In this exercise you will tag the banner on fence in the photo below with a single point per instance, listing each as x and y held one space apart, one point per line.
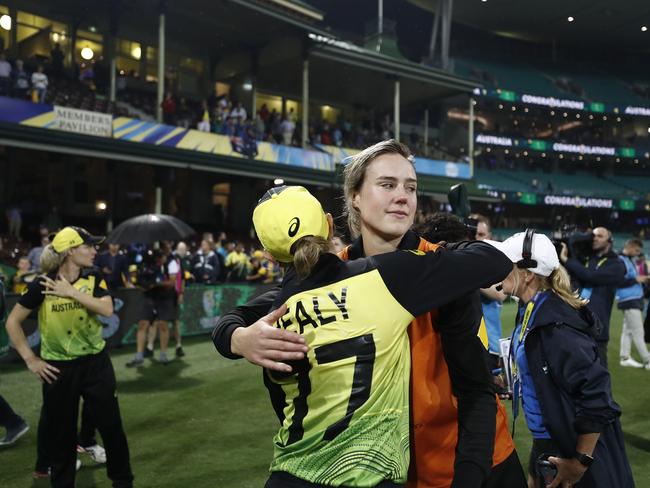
202 306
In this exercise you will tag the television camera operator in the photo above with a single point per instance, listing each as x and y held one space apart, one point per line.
597 274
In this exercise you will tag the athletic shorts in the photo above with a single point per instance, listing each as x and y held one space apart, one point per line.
159 309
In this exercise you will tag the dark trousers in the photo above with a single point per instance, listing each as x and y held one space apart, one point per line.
86 436
8 418
602 351
508 473
93 378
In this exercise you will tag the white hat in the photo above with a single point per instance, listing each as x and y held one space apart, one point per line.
543 251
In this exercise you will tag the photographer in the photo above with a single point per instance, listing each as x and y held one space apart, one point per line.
598 277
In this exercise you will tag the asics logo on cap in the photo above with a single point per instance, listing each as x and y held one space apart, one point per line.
294 226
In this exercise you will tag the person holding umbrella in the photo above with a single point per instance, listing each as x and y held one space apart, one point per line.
161 283
73 361
160 305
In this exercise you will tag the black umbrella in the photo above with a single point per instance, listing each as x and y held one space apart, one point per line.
150 228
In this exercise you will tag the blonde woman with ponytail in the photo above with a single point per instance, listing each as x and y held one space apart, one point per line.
565 390
73 362
344 408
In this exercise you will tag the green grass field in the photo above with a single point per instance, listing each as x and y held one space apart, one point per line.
205 421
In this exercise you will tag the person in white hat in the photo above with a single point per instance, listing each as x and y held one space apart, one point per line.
565 390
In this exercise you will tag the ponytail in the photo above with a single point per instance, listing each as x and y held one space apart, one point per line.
307 251
50 259
560 283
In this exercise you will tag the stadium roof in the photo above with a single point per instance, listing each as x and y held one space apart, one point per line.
615 23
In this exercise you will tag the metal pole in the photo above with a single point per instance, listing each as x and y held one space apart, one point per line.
161 65
426 131
305 103
446 31
470 142
113 68
380 17
13 33
396 110
434 32
158 202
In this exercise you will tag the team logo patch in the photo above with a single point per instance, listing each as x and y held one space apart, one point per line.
294 225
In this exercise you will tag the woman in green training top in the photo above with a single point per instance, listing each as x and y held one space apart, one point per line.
73 361
344 409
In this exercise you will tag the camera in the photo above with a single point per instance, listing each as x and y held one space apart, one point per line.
579 243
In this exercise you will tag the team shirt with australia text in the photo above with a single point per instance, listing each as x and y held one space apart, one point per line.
68 330
345 411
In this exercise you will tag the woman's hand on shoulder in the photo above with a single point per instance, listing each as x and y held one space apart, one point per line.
59 287
266 345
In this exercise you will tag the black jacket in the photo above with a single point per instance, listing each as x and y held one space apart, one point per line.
604 279
574 390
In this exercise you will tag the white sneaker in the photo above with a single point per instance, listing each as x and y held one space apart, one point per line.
97 453
631 363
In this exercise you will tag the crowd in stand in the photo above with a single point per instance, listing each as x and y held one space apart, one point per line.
208 262
17 82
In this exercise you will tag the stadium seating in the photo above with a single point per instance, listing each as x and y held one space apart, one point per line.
580 183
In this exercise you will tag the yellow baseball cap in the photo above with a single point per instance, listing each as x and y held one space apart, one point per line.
285 214
70 237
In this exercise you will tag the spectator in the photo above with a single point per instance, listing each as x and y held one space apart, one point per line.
39 83
57 57
87 76
204 117
20 80
218 119
158 278
114 267
260 127
5 75
34 254
185 115
630 301
228 128
22 277
14 220
53 219
286 128
326 135
205 265
239 112
169 109
257 272
337 136
237 264
274 126
179 256
264 113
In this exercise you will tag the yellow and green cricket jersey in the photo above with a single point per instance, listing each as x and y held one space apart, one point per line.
68 330
345 409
